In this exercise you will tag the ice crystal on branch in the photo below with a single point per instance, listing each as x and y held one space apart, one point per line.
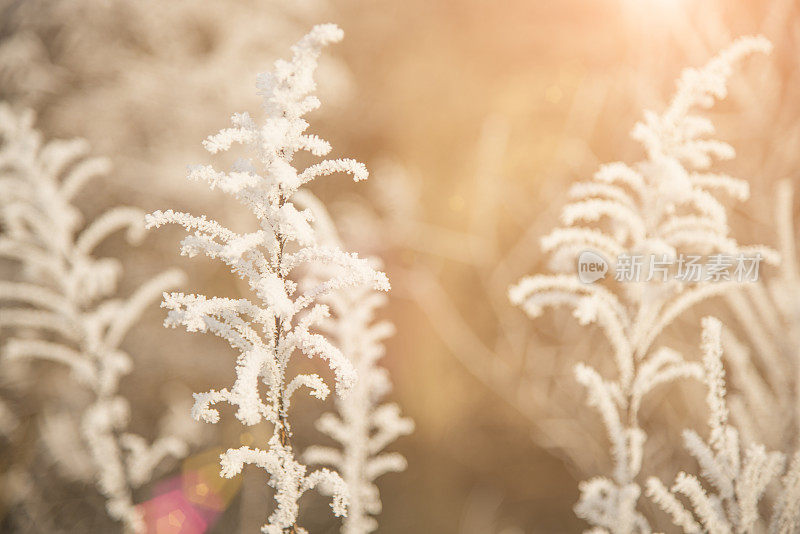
665 205
68 300
282 319
362 425
762 365
739 473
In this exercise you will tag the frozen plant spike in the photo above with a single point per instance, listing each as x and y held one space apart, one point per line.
764 405
739 475
665 205
362 426
283 315
68 300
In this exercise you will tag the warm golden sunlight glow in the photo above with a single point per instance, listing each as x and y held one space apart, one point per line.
320 266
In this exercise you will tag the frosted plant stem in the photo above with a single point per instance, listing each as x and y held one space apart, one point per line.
665 206
284 310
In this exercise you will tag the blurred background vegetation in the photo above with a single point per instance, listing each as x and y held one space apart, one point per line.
474 117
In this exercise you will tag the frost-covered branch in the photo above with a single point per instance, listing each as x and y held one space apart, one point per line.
738 473
763 361
286 312
362 426
664 206
67 301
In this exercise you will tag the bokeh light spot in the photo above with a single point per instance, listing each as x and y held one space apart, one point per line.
553 94
202 484
456 203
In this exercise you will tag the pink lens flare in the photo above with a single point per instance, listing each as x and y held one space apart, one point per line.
171 513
